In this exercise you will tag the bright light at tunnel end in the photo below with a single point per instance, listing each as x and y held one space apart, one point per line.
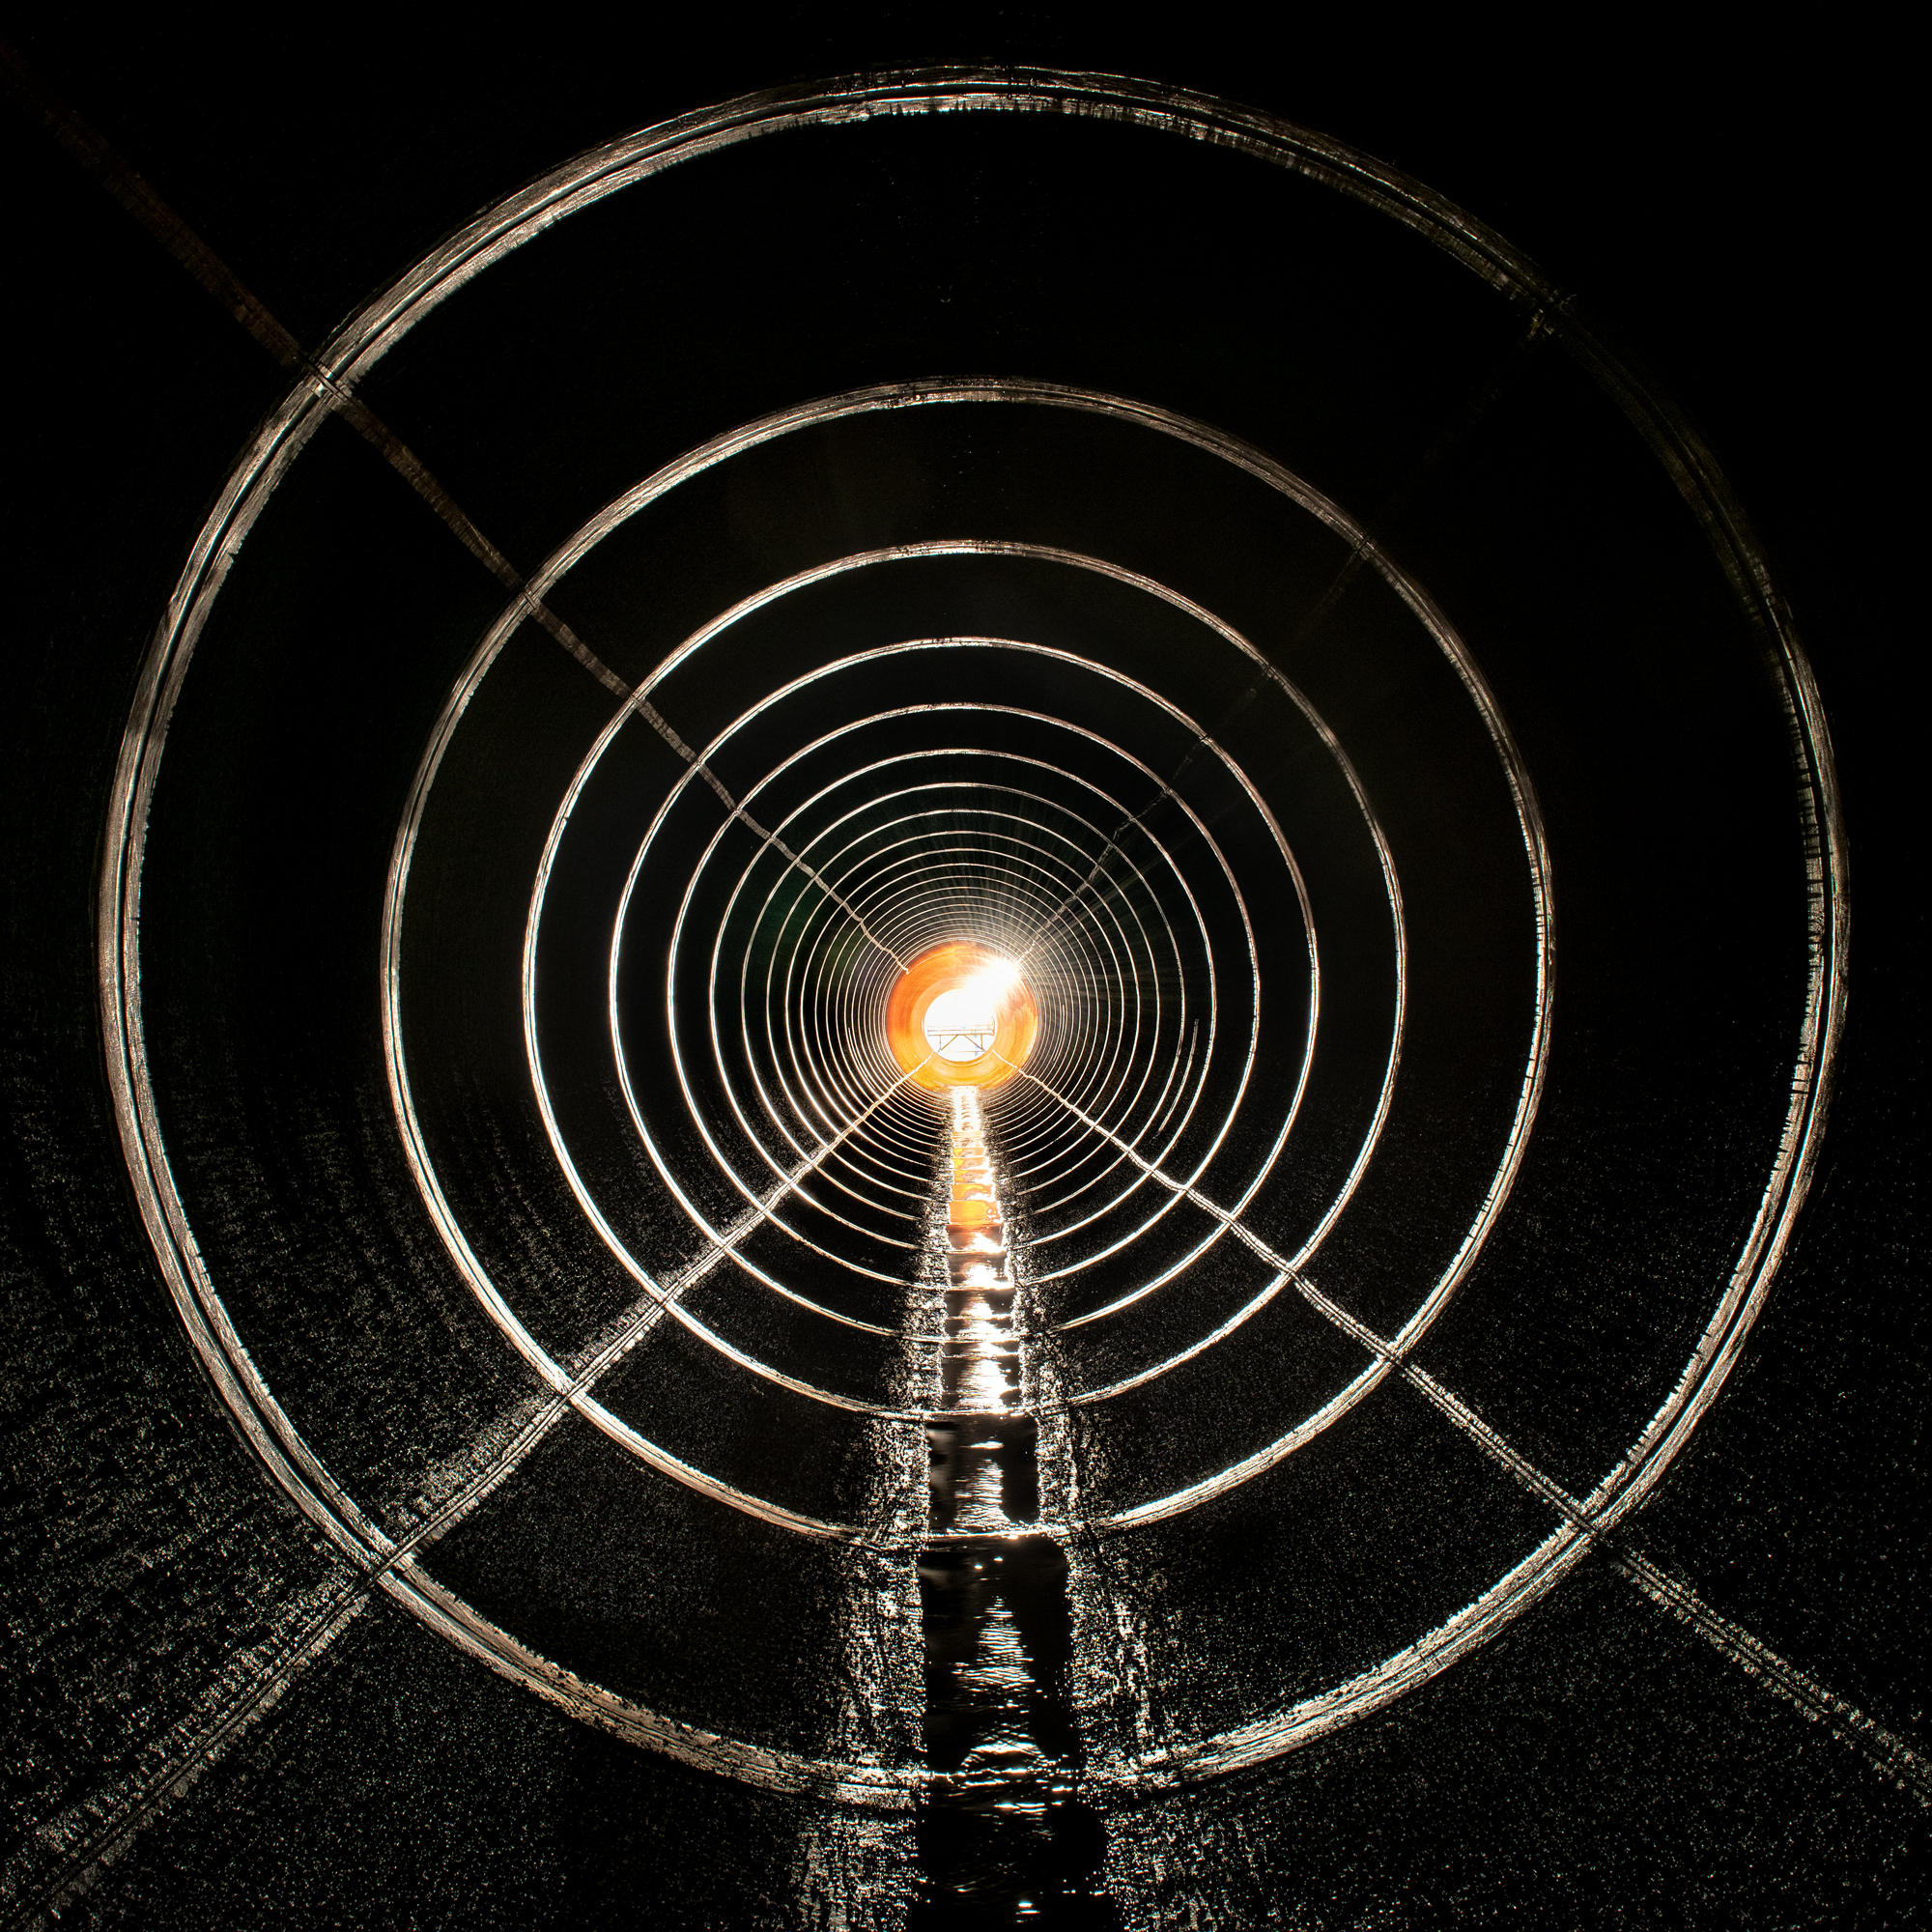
961 1015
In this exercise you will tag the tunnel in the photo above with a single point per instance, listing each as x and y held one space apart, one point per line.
967 945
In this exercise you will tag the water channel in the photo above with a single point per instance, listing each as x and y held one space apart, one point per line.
1003 1838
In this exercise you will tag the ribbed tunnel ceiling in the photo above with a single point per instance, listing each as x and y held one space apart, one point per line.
1229 628
1103 690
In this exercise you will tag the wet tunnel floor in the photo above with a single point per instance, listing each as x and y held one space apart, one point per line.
1002 1839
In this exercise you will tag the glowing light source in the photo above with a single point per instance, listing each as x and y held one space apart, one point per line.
961 1016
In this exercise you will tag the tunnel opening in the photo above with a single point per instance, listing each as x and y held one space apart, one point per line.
962 1014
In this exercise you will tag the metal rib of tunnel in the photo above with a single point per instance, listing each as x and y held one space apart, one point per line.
846 1404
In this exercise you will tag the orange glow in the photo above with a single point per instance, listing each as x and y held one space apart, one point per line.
979 979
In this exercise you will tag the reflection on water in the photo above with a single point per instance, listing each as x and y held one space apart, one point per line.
1002 1841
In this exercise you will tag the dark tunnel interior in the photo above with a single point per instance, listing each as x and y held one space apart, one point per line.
960 997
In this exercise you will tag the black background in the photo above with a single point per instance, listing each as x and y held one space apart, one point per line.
1736 212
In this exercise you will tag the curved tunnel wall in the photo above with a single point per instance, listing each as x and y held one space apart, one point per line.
968 695
1095 678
